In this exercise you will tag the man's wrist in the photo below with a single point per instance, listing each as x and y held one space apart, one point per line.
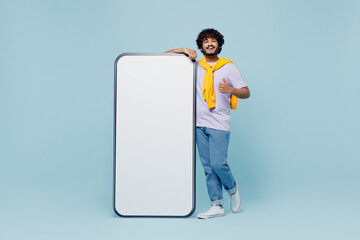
231 90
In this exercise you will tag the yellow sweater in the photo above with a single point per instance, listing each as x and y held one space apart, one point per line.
208 85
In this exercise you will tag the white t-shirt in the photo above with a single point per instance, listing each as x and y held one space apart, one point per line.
219 116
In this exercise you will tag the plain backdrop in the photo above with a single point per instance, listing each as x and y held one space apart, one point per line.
294 145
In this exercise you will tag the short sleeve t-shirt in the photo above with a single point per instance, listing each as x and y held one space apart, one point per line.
219 116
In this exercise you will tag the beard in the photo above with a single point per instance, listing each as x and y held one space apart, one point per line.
216 51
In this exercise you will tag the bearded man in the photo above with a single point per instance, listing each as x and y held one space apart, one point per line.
218 86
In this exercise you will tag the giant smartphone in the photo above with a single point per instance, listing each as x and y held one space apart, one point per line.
154 135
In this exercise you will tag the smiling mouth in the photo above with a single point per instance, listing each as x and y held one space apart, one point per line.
210 48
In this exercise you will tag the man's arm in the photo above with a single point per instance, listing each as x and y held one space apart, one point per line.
238 92
191 53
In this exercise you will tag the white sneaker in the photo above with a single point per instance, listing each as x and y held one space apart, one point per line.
214 211
235 200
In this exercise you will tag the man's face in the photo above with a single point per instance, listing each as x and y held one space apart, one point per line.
210 46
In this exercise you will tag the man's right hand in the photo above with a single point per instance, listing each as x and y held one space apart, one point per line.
191 53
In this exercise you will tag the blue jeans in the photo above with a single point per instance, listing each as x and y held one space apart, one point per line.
213 146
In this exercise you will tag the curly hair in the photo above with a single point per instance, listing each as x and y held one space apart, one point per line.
210 32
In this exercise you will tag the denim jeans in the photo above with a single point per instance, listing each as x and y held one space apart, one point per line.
213 146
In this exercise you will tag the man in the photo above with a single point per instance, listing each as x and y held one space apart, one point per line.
218 86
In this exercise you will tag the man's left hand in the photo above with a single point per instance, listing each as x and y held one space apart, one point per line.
224 87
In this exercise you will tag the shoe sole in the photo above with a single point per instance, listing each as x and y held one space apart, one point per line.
237 209
210 216
237 190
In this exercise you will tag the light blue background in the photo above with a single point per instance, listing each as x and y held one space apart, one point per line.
294 145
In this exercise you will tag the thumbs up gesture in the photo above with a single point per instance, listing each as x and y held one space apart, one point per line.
224 87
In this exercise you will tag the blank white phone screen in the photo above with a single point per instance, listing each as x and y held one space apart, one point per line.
154 135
